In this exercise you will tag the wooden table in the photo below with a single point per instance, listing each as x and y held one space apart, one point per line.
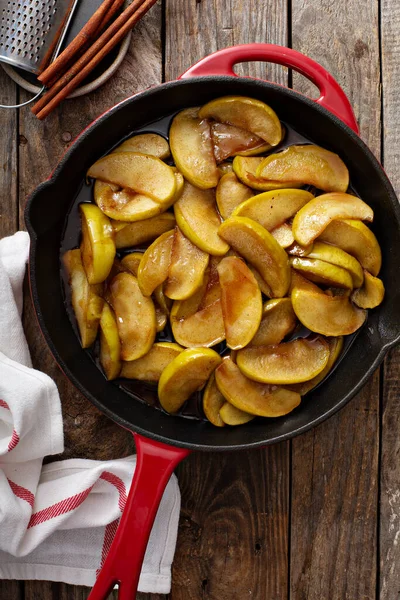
317 518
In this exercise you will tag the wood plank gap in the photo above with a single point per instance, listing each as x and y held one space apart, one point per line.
163 38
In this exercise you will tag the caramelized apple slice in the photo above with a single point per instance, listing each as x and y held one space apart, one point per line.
187 268
328 315
154 266
161 319
140 232
136 316
124 205
283 235
240 300
186 373
246 168
86 299
110 345
306 164
290 362
252 397
297 250
339 257
260 248
204 328
212 290
322 272
131 262
371 294
98 246
163 302
213 401
142 173
278 320
230 193
315 216
230 415
192 149
150 366
271 209
197 217
247 113
357 239
146 143
229 141
225 167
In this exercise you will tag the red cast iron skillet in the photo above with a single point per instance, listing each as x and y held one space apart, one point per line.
162 440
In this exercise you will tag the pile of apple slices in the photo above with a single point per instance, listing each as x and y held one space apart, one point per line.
237 252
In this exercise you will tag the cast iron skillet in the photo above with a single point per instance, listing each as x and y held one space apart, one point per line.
161 440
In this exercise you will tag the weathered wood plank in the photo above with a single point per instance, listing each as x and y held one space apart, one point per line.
8 157
11 590
390 470
334 467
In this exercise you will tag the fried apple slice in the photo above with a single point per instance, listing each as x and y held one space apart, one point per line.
161 319
297 250
283 235
371 294
140 232
322 272
247 113
213 401
204 328
198 219
246 167
252 397
86 299
136 316
124 205
110 345
289 362
306 164
192 149
230 193
154 266
212 290
315 216
325 314
98 246
278 320
240 300
357 239
131 262
230 415
339 257
271 209
150 366
225 167
186 373
229 140
163 302
186 269
259 248
146 143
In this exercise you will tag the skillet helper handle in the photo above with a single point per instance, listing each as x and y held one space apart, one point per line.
154 466
332 97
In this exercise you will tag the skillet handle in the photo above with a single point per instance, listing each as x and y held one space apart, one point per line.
332 97
155 463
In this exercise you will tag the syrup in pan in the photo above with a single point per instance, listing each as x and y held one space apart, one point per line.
147 392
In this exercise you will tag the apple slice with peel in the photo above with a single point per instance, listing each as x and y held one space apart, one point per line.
150 366
229 140
273 208
371 294
146 143
325 314
306 164
161 319
186 373
97 246
253 397
278 320
86 299
246 167
110 344
230 194
296 250
339 257
290 362
135 314
128 235
204 328
315 216
357 239
240 300
186 269
141 173
230 415
247 113
124 205
213 401
260 249
198 219
322 272
154 265
283 235
225 167
212 290
131 262
192 149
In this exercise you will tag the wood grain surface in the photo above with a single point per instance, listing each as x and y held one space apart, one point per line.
314 519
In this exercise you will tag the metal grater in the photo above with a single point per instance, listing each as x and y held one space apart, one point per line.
32 31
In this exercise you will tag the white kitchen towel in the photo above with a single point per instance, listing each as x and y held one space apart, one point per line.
57 521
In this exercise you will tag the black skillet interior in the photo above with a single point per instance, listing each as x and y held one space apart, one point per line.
45 216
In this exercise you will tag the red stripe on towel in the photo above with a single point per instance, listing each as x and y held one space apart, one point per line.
21 492
14 441
60 508
3 404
